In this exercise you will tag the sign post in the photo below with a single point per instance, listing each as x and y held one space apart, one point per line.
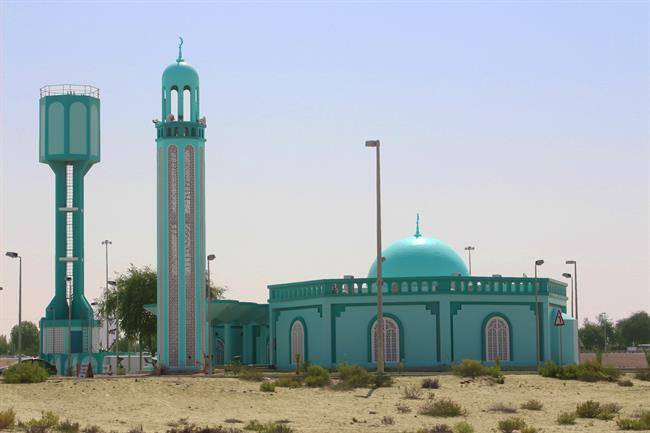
559 321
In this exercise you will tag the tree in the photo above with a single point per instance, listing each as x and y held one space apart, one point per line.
634 329
30 339
4 345
214 292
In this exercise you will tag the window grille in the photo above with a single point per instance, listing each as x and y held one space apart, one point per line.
497 339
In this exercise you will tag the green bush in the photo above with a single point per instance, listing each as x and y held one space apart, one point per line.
609 411
586 372
355 376
515 424
25 372
642 423
381 380
251 375
566 418
625 382
411 393
68 426
463 427
267 387
47 421
643 375
289 382
588 409
317 376
270 427
532 405
469 368
442 408
7 419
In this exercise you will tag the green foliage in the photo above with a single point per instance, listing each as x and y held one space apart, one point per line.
469 368
382 380
442 408
354 376
47 421
609 410
510 425
635 329
598 336
643 375
235 368
411 393
532 404
647 357
68 426
92 429
317 376
566 418
430 383
25 372
503 408
267 386
588 409
135 288
642 423
4 345
251 375
463 427
289 382
30 339
7 419
270 427
586 372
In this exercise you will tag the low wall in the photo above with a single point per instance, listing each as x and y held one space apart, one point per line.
622 360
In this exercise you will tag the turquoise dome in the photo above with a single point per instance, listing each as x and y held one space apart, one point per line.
417 256
180 74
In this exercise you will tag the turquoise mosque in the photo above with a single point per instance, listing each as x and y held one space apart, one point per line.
435 313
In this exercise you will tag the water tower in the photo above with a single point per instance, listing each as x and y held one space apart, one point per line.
69 144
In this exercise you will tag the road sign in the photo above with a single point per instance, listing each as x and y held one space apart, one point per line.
559 320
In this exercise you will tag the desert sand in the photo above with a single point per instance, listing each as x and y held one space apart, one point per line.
154 402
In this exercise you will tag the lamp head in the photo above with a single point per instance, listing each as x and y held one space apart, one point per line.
470 248
372 143
570 262
539 262
211 257
566 275
112 283
68 278
11 254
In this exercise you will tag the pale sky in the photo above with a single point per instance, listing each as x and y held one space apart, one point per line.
521 128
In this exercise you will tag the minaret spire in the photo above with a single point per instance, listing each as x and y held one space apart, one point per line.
180 50
417 226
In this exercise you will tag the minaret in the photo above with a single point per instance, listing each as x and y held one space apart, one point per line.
181 220
69 144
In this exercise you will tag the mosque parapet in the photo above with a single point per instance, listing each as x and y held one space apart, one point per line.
415 285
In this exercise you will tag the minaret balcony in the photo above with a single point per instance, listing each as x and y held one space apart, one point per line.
180 129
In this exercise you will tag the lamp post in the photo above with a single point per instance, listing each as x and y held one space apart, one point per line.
106 243
469 250
208 293
537 263
15 255
568 275
380 281
575 286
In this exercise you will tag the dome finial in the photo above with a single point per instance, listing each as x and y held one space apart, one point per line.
417 226
180 50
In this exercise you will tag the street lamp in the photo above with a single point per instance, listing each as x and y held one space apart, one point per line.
568 275
575 285
380 281
207 289
107 243
469 250
14 255
537 263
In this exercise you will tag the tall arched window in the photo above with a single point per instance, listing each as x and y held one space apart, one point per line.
174 103
219 352
391 341
297 341
187 107
497 339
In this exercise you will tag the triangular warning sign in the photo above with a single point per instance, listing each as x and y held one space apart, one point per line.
559 320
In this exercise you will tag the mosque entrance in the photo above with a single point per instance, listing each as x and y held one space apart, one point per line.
219 352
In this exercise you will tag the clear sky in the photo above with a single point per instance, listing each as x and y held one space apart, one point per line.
518 127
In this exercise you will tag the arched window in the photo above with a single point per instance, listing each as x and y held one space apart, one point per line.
497 339
391 341
187 110
174 102
219 352
297 341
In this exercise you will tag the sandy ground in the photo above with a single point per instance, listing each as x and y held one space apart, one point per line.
153 402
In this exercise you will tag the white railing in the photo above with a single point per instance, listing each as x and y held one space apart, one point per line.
69 89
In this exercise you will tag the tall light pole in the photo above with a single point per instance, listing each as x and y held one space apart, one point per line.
575 286
537 263
106 243
568 275
14 255
380 281
469 250
208 294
